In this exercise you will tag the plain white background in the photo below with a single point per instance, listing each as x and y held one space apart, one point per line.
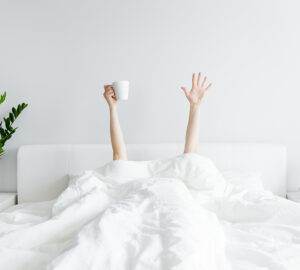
56 55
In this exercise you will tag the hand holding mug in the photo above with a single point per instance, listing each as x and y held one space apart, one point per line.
109 95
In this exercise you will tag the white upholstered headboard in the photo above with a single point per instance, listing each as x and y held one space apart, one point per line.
43 169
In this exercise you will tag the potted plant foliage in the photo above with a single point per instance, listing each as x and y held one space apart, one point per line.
7 130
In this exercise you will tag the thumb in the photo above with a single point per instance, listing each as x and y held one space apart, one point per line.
184 90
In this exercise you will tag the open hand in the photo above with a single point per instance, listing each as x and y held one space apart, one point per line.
198 90
109 95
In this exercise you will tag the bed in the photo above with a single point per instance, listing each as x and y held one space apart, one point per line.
176 211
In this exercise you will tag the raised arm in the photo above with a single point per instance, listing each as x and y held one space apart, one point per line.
194 96
116 136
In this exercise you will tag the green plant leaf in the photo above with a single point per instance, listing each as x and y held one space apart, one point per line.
7 122
2 132
14 110
11 117
7 131
2 97
19 109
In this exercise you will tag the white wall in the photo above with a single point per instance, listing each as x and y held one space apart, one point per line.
56 55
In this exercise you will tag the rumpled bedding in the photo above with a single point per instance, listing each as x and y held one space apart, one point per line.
177 213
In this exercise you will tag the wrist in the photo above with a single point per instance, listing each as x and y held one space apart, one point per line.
194 106
112 107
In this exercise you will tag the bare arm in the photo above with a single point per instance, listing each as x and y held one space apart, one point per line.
194 96
116 136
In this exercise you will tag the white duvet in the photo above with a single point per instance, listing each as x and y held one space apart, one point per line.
168 214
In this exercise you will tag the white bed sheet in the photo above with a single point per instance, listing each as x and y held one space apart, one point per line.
180 215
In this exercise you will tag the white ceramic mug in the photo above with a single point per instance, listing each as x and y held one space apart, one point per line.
121 89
